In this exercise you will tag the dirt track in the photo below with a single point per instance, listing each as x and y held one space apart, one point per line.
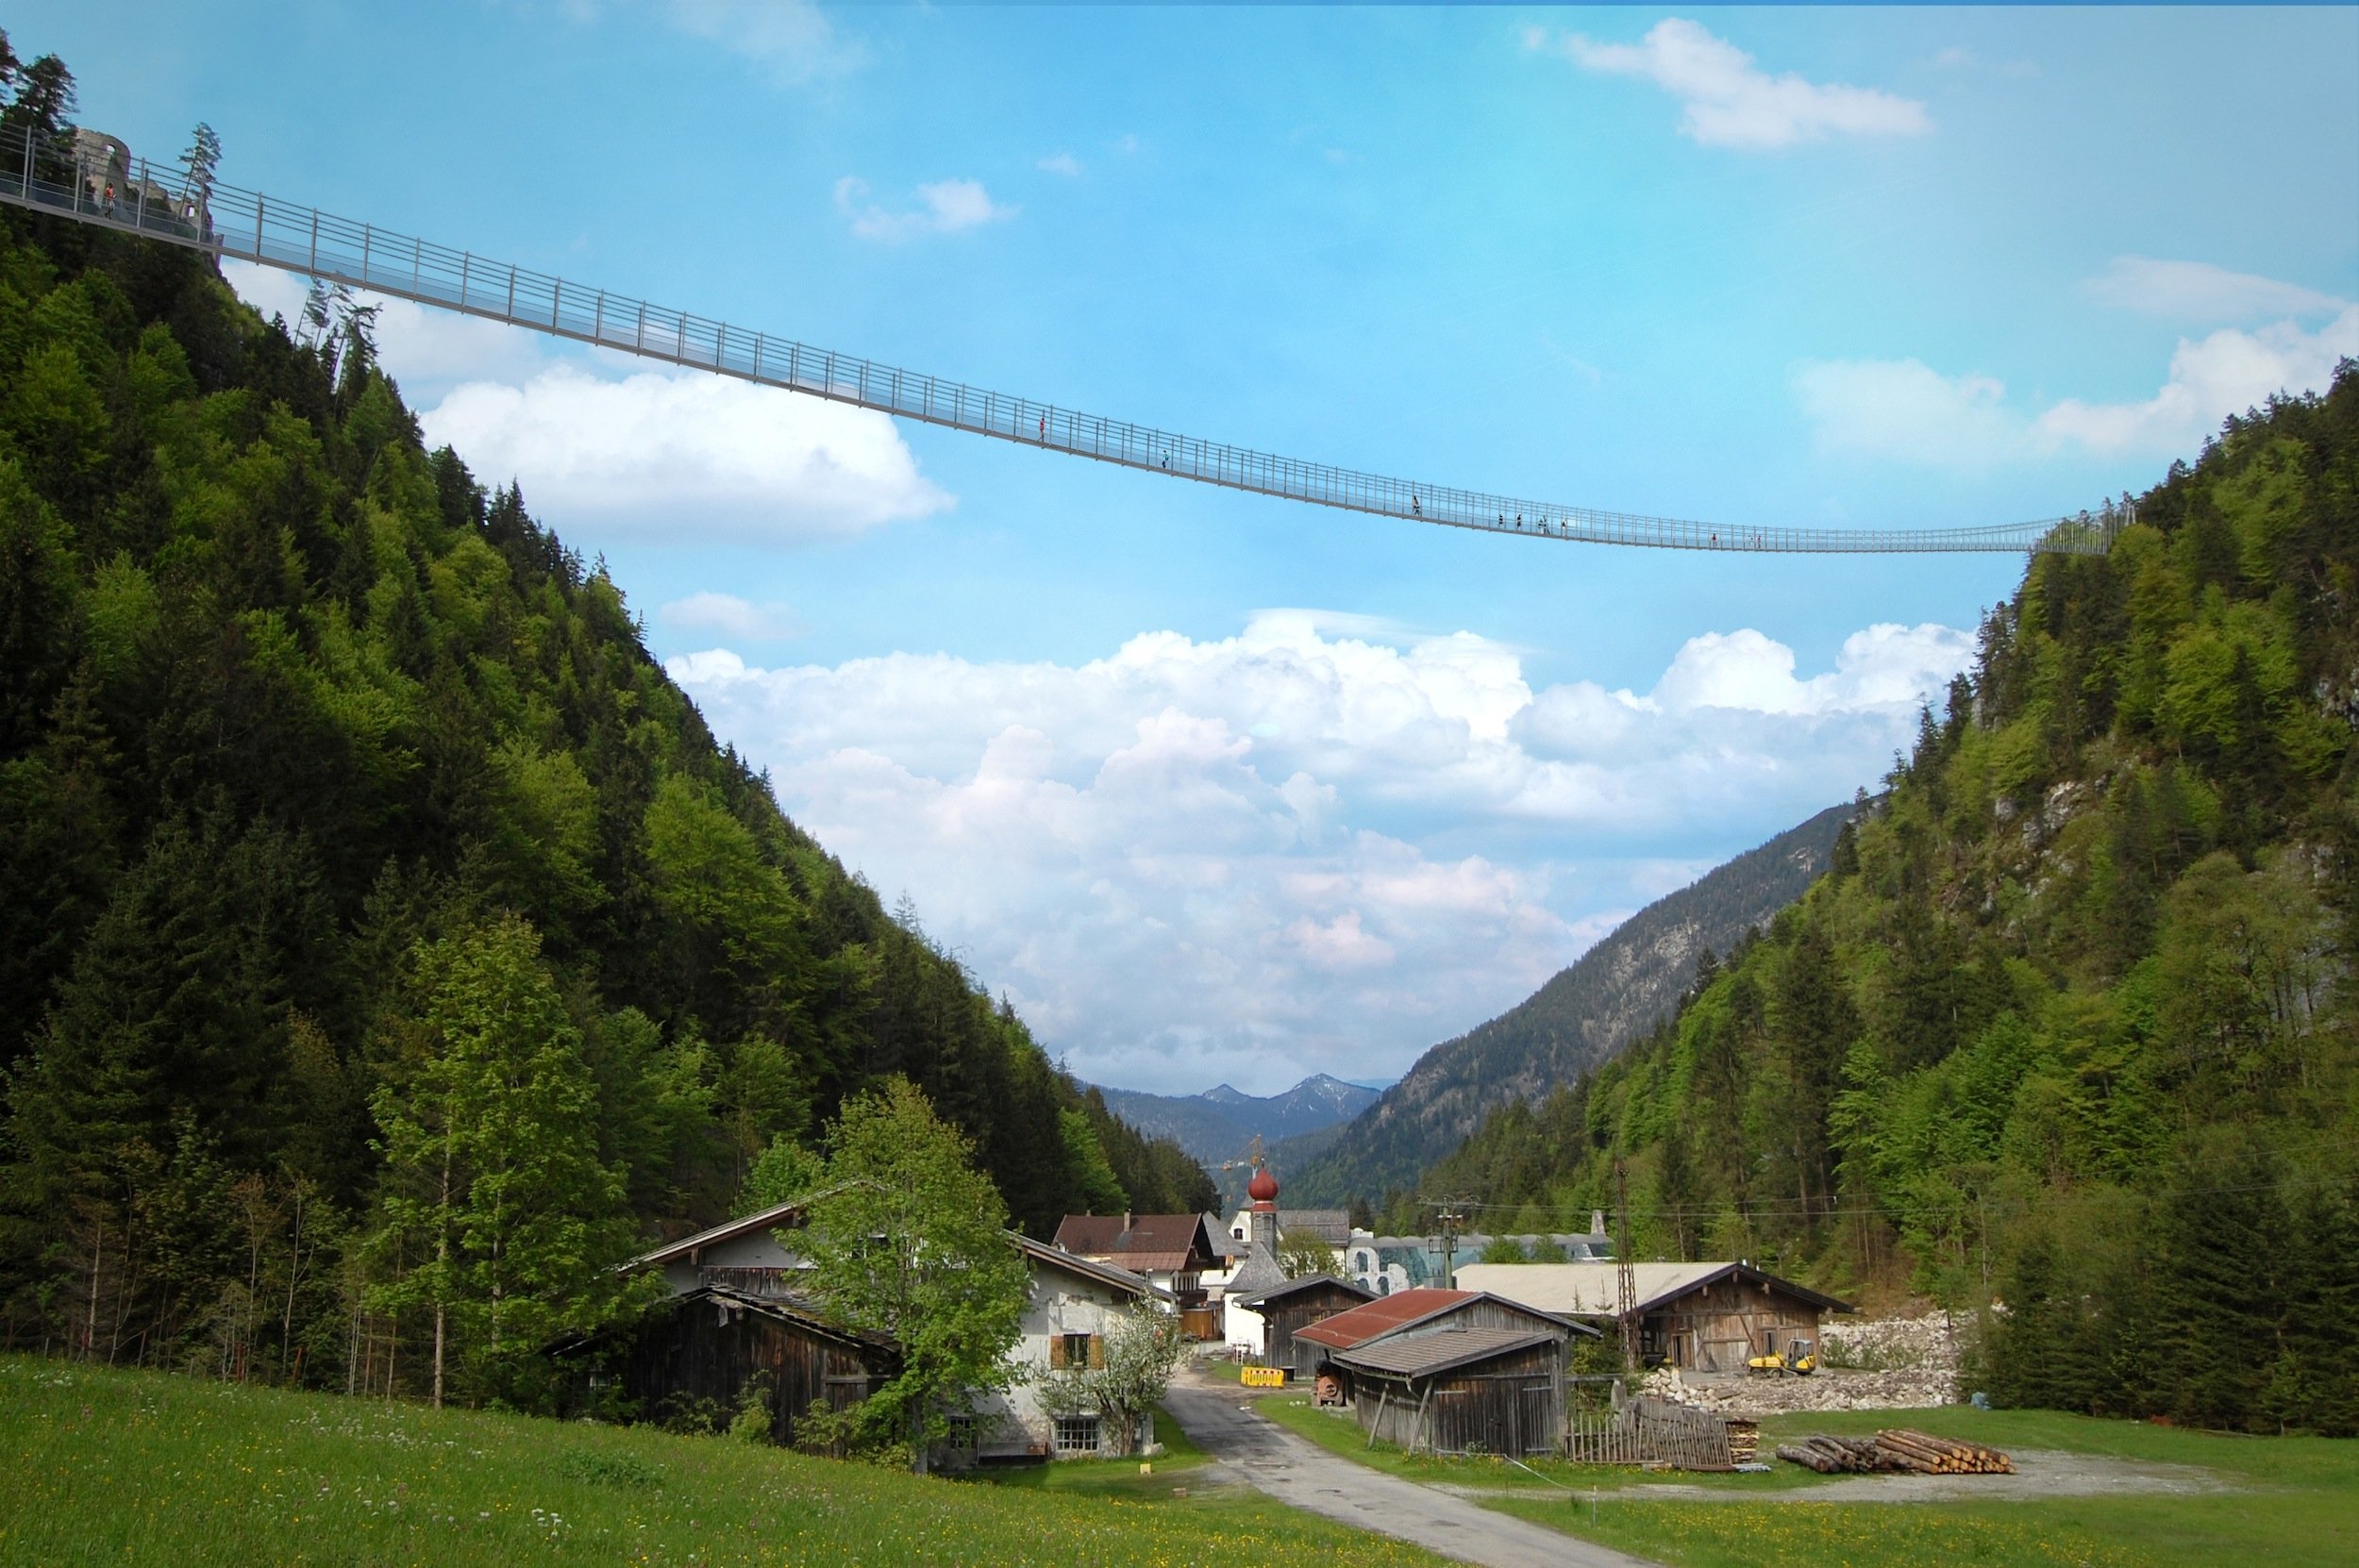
2039 1473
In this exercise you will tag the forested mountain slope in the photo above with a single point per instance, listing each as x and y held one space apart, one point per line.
2070 1020
1607 998
322 768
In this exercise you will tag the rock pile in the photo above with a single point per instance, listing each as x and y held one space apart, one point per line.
1893 1364
1930 1344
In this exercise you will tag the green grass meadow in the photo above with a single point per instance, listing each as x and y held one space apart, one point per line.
126 1467
2287 1501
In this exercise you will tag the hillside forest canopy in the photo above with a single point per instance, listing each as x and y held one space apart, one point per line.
360 869
2068 1025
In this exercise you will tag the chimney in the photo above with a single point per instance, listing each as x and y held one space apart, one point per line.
1597 1222
1125 1222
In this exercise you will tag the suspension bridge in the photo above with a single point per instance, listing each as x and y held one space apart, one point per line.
227 223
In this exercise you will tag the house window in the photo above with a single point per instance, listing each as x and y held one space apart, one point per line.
1076 1434
963 1434
1075 1352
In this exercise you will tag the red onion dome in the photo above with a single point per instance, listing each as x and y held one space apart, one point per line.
1264 1186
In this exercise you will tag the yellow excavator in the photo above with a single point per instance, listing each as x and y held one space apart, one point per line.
1800 1357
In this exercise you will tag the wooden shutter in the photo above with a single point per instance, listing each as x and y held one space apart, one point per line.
1056 1352
1098 1352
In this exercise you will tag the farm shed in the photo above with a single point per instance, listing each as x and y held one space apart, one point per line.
1460 1390
708 1343
1483 1371
1295 1306
1701 1317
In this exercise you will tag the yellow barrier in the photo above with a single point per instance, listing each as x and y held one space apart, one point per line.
1262 1377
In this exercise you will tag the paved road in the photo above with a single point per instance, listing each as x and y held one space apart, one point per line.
1301 1474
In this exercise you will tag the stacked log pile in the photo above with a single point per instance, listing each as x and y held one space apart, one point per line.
1934 1455
1897 1450
1743 1441
1836 1455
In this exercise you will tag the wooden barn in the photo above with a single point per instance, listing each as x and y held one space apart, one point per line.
708 1344
1700 1317
1295 1306
1476 1372
1461 1391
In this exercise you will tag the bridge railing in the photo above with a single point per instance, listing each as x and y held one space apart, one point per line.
163 202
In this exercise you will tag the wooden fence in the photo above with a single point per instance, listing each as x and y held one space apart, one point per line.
1648 1432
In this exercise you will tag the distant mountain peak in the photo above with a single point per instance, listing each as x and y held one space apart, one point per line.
1586 1013
1221 1123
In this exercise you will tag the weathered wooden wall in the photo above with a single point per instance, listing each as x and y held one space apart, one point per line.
1720 1326
1289 1316
1512 1404
708 1350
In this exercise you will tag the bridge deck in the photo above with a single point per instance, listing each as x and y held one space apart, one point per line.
224 221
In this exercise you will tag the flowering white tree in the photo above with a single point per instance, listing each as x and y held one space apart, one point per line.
1142 1350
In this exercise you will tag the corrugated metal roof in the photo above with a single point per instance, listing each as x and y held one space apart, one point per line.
1593 1290
1439 1350
1384 1315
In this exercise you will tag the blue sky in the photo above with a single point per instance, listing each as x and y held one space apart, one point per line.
1217 788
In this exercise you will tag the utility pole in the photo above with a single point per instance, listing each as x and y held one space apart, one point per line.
1624 1270
1450 1219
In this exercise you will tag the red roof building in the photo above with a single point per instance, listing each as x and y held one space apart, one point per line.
1172 1250
1387 1315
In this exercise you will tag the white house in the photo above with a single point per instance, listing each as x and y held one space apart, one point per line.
1072 1303
1073 1307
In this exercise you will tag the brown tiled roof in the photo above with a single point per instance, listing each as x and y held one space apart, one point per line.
1105 1274
1108 1236
1158 1262
1383 1316
1438 1351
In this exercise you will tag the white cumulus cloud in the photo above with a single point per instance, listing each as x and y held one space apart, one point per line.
944 206
1906 410
1322 844
1061 164
686 455
1728 101
2211 377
